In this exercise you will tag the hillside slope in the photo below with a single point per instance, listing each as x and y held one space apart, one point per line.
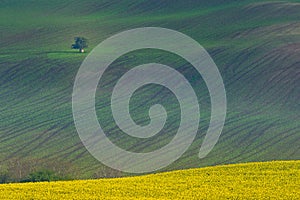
255 45
269 180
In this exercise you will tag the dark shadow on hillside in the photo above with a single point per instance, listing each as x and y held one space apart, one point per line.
68 52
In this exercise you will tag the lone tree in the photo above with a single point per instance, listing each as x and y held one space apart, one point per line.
80 43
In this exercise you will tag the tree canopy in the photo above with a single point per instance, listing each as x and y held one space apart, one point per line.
80 43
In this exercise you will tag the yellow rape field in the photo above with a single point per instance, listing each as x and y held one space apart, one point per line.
266 180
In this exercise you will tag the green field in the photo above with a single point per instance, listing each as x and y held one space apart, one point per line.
255 44
267 180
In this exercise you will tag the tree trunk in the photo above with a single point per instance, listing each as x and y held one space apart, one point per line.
81 50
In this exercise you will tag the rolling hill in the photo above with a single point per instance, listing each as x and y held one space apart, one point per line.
275 180
255 44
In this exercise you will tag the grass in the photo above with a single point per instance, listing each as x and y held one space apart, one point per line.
275 180
38 68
